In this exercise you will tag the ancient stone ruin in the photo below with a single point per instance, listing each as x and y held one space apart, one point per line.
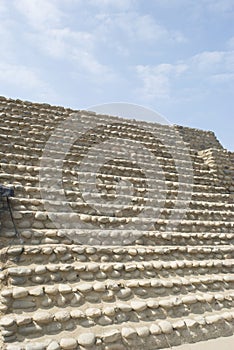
138 261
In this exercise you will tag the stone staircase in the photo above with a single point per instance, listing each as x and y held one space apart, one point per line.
116 281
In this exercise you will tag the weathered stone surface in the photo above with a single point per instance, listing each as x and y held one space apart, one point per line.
84 287
128 332
35 346
62 316
7 321
142 331
111 336
86 339
53 346
93 312
41 216
68 343
155 329
165 326
138 305
19 292
42 317
23 304
162 284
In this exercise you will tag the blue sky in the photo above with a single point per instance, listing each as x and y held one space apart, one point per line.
174 56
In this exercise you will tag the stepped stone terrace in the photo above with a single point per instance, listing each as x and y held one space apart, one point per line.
112 257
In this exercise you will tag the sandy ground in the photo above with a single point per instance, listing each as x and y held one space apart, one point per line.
214 344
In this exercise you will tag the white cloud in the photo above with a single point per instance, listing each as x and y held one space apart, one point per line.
86 62
209 68
213 61
41 14
118 30
61 43
7 38
52 38
230 43
222 78
21 76
219 5
3 7
120 5
75 48
23 81
134 27
157 79
207 60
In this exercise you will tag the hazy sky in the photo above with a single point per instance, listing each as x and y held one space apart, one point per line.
173 56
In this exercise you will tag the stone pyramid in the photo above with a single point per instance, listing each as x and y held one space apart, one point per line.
124 232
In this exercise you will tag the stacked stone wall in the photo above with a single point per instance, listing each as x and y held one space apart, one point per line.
221 163
199 139
107 285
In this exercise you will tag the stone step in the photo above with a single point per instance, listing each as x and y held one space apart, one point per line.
165 145
165 186
159 334
109 172
51 116
187 238
73 160
135 310
78 150
114 237
120 226
117 126
159 136
112 174
56 253
204 196
21 203
121 211
179 155
90 294
43 114
199 167
90 271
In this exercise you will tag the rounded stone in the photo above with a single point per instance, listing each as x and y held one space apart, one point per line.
53 346
166 327
62 316
68 343
109 311
105 320
93 312
86 339
37 291
84 287
111 336
138 305
22 320
77 314
143 331
128 332
19 292
99 287
64 288
35 346
42 317
155 329
41 216
7 321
